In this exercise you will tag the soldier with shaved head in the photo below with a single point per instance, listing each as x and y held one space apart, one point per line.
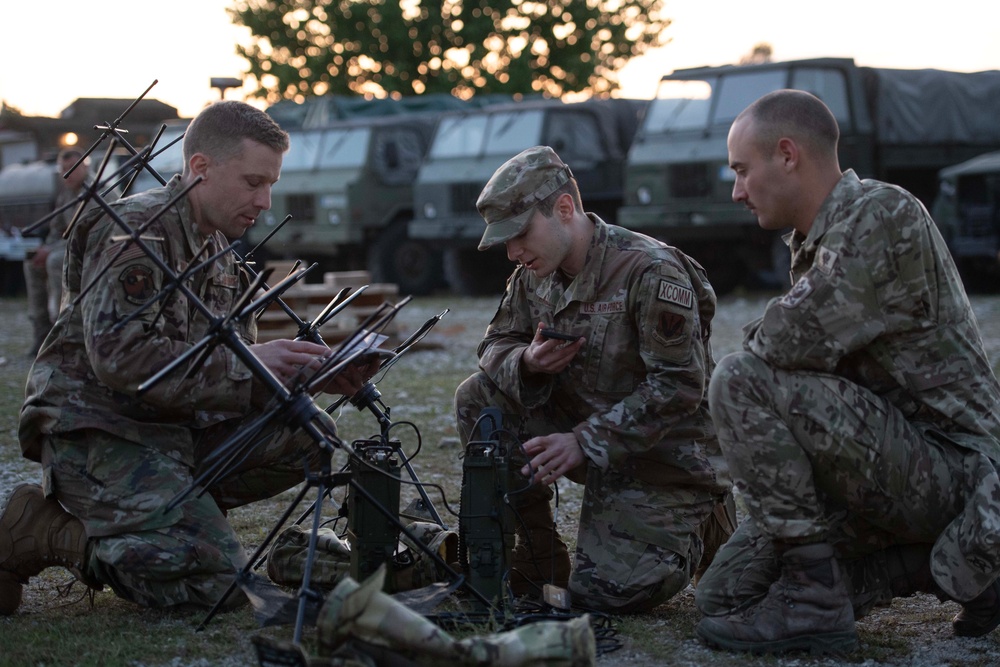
862 419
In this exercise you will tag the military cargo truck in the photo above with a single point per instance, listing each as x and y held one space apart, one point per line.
348 188
592 137
27 194
346 181
967 209
900 126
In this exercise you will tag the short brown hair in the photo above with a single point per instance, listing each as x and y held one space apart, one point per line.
219 130
796 114
547 205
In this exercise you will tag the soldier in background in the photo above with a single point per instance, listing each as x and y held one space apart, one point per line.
43 269
619 408
862 421
112 459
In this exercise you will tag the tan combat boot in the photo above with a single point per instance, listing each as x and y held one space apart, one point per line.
36 533
807 608
539 556
980 616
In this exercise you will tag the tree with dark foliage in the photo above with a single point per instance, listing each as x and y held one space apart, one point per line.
461 47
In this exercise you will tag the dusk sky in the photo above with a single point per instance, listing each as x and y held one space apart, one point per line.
117 48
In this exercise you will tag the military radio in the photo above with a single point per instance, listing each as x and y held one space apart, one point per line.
373 535
486 520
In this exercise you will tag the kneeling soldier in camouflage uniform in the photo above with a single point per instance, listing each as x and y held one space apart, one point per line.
620 409
861 421
112 458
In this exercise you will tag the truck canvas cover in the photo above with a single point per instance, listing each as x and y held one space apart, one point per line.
932 106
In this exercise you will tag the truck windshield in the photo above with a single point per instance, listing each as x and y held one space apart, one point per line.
303 149
171 160
713 102
344 148
325 149
501 133
679 105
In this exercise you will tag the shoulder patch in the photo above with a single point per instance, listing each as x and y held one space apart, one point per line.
675 294
137 282
123 252
672 325
826 260
798 293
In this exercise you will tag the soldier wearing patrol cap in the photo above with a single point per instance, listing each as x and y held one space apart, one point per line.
862 418
620 407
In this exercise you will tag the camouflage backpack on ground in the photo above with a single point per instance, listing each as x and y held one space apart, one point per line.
413 567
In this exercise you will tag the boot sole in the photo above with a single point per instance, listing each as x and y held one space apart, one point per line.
831 642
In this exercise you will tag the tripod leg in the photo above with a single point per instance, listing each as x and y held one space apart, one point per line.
246 568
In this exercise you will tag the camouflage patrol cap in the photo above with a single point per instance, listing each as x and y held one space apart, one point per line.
510 196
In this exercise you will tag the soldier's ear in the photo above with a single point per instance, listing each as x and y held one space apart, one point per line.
198 164
564 207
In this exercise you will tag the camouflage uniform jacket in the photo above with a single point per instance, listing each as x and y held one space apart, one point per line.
638 384
59 223
87 375
877 299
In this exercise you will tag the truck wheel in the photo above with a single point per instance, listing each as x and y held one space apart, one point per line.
470 272
412 265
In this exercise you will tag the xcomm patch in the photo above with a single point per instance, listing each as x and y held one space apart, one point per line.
675 294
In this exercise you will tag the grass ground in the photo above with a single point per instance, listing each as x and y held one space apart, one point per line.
53 630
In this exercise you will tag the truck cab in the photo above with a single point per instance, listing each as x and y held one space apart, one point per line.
27 194
967 211
678 184
592 137
349 189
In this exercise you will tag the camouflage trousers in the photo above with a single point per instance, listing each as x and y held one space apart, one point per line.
36 286
819 458
150 555
637 544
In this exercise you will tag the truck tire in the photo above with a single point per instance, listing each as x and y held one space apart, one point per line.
414 266
470 272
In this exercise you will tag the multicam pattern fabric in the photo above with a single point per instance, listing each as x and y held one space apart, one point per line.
636 388
634 397
87 373
287 557
114 458
865 411
363 612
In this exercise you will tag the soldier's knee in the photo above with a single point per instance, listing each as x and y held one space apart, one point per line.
472 395
654 578
734 369
474 392
159 570
610 598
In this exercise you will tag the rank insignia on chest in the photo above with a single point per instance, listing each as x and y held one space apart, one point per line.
675 294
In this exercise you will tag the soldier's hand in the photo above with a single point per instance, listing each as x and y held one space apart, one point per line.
549 355
290 360
351 379
552 456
